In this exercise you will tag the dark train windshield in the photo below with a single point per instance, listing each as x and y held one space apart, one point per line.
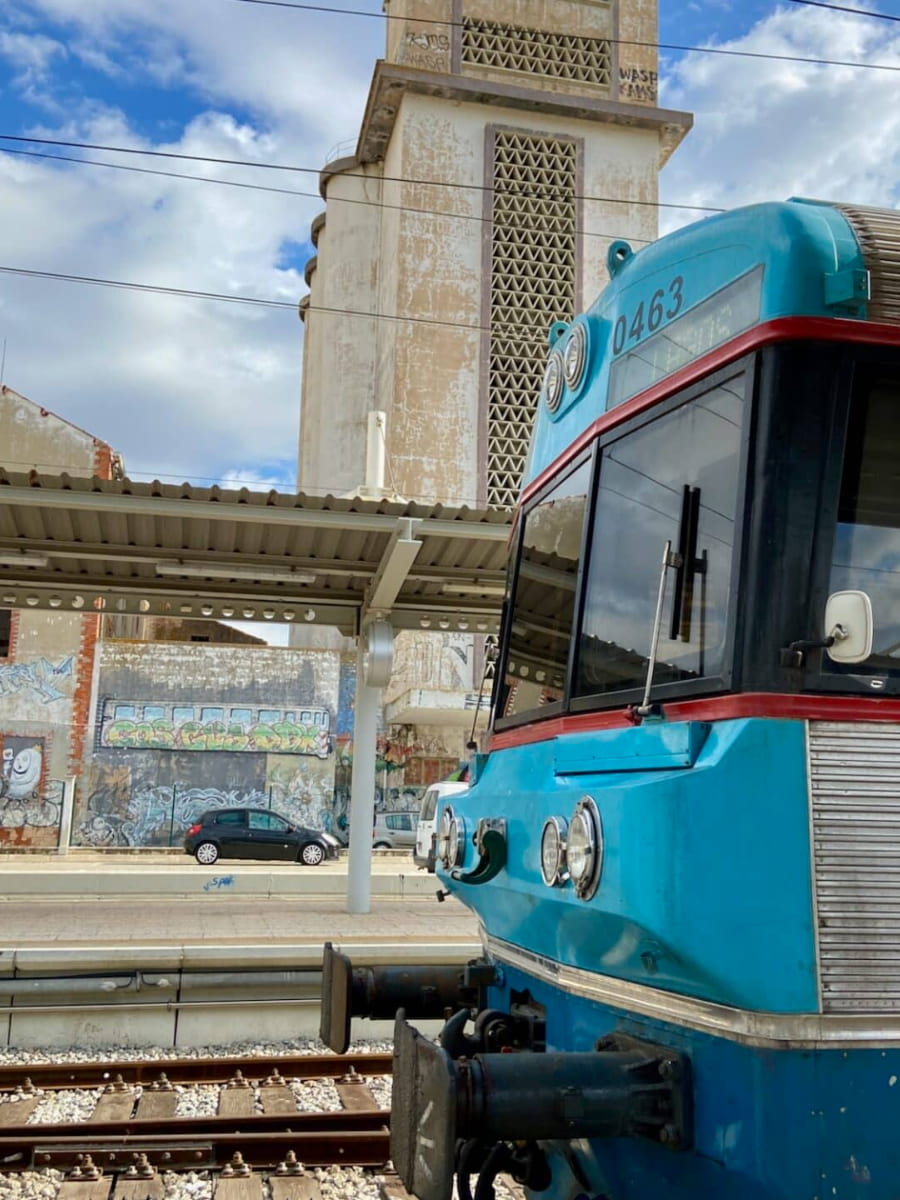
676 480
866 549
540 626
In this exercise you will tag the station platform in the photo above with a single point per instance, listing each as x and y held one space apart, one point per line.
154 948
167 910
85 874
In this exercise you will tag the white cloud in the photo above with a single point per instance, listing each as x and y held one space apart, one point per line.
180 386
302 70
766 129
31 55
183 388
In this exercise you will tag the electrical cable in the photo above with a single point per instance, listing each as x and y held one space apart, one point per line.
845 8
679 49
190 293
261 187
231 298
235 162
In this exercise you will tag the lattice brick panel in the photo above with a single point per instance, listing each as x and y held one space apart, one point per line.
532 282
535 51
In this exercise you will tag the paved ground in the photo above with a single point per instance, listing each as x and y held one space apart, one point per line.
55 904
226 920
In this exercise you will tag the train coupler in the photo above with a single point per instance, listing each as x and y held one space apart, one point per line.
623 1088
377 993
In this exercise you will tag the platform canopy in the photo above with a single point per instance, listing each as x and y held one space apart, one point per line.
152 549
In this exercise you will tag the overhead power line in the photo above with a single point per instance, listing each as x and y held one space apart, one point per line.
189 293
267 166
261 187
233 298
679 49
845 8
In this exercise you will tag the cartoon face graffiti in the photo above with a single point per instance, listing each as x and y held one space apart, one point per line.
25 773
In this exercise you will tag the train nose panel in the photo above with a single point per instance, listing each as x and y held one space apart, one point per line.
443 1106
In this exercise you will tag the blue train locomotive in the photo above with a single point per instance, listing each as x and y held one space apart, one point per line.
683 845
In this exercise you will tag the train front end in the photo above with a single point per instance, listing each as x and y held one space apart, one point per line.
683 843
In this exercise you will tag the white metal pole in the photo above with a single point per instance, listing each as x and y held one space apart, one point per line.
362 793
65 816
375 434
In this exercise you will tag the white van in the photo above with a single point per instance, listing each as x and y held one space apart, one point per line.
423 853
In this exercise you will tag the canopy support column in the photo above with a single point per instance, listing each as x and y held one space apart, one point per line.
374 654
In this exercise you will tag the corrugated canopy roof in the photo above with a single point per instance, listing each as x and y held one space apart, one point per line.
71 543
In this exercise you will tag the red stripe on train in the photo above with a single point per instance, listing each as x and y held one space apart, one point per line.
832 329
711 708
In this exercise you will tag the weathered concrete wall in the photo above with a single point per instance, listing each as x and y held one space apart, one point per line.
340 341
423 42
427 260
34 438
46 674
38 730
181 728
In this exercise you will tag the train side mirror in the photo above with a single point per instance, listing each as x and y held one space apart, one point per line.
848 620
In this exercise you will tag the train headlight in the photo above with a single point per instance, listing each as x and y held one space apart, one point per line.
575 356
553 852
451 839
553 381
584 848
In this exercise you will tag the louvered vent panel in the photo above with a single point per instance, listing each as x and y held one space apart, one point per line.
855 788
535 51
878 230
532 282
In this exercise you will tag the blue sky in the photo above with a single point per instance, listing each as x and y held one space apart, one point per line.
192 390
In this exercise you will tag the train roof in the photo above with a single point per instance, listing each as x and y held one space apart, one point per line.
699 287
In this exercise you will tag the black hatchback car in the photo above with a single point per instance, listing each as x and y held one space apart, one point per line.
256 833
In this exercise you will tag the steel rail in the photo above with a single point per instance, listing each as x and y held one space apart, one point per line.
199 1127
191 1070
350 1145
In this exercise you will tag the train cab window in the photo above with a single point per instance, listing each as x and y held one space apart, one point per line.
866 550
543 607
675 479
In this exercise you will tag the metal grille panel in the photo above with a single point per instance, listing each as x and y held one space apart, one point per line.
855 792
532 281
535 51
878 231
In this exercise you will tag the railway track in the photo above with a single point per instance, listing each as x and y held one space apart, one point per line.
132 1138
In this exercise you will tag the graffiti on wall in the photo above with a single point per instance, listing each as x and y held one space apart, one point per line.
150 797
30 806
41 676
147 726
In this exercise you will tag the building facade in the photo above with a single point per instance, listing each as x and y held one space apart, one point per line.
182 727
47 659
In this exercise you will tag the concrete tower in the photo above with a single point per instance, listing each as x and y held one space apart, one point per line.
505 144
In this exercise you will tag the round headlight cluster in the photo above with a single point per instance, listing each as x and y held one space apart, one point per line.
451 839
575 356
584 850
574 851
553 381
553 852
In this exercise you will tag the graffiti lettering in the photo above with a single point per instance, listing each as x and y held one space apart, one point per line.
282 737
41 676
219 882
425 62
637 83
428 41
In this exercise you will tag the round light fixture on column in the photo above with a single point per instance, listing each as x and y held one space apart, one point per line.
379 654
